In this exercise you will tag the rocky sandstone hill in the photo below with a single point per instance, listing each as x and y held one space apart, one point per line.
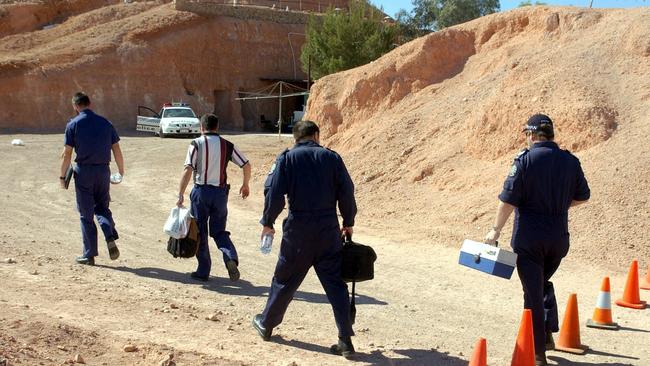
429 130
140 53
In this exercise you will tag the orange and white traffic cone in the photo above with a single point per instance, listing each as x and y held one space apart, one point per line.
569 340
524 353
646 282
603 314
479 357
631 298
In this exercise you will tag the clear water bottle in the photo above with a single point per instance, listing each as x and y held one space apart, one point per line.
116 178
266 244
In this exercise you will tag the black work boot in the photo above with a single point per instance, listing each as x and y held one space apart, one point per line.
198 277
261 329
343 348
90 261
550 343
540 359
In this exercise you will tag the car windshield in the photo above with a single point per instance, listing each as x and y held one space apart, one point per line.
178 112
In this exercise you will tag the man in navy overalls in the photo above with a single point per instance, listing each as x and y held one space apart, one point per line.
314 179
93 138
208 157
543 183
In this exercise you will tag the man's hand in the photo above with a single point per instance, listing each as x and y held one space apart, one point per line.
267 230
181 198
62 183
492 237
347 231
244 191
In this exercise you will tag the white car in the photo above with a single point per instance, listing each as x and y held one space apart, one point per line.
173 119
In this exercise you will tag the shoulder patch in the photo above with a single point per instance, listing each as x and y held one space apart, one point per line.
521 154
513 170
275 163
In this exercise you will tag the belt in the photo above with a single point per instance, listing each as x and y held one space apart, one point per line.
224 186
322 212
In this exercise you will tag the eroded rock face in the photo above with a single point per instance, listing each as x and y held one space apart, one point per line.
429 130
26 16
478 82
126 55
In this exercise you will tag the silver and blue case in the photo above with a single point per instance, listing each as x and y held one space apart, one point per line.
487 258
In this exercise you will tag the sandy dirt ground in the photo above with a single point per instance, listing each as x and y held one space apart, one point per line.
421 309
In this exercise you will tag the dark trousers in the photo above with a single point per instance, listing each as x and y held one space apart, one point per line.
210 209
92 186
309 241
536 264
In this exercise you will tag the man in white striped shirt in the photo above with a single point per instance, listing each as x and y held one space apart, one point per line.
206 161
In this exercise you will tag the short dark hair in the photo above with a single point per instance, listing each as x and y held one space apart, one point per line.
80 99
210 122
304 129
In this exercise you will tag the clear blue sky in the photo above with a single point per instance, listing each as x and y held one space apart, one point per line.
393 6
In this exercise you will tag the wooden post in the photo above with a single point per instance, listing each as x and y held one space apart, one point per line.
280 114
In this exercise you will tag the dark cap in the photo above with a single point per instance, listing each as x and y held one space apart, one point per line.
540 124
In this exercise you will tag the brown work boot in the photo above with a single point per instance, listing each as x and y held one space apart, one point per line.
540 359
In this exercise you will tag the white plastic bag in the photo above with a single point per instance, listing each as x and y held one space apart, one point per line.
178 223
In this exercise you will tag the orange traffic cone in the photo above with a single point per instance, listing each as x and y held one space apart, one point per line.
524 353
631 294
603 314
479 357
646 282
569 340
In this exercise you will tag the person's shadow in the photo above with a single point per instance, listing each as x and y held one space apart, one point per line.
408 357
564 362
227 287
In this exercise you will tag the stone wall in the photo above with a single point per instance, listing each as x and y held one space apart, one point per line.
284 11
242 12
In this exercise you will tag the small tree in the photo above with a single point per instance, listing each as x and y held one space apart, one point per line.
341 40
530 3
431 15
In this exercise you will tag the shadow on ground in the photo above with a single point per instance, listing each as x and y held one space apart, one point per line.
403 357
227 287
564 362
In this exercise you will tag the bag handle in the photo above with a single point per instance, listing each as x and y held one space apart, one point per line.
353 308
346 238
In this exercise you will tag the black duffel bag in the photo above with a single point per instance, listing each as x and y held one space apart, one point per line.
185 247
358 266
358 261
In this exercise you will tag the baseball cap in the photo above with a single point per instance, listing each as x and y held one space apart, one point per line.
540 124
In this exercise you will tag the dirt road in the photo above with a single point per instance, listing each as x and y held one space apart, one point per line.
422 308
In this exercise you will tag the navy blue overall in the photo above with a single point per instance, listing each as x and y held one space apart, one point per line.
92 138
315 180
542 183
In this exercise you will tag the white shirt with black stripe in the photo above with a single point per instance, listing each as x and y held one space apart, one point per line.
209 155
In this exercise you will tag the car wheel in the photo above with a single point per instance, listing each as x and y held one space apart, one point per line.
161 134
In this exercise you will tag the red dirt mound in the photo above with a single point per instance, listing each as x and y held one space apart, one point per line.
433 124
